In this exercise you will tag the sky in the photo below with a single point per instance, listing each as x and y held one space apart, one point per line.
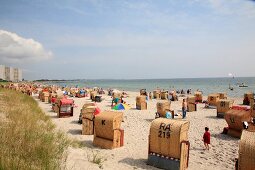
128 39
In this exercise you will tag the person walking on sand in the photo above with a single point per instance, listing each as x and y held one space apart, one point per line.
206 138
184 108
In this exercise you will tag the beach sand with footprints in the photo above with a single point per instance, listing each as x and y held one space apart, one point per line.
134 154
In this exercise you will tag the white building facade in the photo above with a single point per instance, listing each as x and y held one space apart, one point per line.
2 72
10 74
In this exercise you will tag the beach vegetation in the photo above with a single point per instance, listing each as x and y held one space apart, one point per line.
96 158
28 138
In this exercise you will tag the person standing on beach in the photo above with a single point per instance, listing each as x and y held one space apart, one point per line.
170 96
206 138
146 94
150 95
184 108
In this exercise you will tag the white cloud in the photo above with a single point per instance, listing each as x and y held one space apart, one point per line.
14 48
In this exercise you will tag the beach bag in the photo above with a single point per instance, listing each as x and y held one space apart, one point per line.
168 115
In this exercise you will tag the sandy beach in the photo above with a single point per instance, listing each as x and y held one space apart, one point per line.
50 50
134 154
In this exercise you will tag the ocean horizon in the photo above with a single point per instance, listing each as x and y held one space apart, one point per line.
206 85
76 79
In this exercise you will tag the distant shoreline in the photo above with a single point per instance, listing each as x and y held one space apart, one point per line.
64 80
47 80
207 85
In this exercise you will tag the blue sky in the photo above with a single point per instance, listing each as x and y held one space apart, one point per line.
128 38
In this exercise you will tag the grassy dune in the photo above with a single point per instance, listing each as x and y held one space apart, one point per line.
28 139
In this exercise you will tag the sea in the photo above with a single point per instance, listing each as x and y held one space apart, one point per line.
206 85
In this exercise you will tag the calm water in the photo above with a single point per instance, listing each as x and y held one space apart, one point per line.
207 85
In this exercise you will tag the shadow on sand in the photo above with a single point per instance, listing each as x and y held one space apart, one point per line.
75 122
138 163
224 137
213 117
133 109
149 120
75 131
209 108
197 149
88 144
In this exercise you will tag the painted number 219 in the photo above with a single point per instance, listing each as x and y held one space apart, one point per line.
163 134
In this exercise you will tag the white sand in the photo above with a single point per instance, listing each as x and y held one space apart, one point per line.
134 154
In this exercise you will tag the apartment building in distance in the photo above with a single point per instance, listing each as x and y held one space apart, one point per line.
10 74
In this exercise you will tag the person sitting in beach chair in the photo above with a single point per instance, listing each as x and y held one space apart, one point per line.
253 120
122 101
170 96
115 101
124 93
157 115
206 104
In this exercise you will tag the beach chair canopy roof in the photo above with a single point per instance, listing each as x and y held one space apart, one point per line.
65 101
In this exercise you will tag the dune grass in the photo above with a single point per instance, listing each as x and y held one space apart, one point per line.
4 83
28 139
96 158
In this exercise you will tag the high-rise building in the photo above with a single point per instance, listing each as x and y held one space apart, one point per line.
2 72
10 74
19 74
15 73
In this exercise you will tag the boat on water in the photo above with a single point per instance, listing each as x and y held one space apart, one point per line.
242 85
230 87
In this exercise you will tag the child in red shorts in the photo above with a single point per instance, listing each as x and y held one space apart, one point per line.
206 138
